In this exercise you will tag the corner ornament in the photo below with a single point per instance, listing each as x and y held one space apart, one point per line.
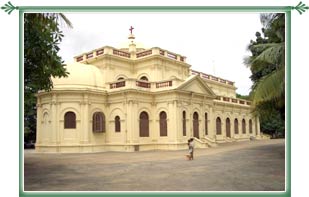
8 7
301 7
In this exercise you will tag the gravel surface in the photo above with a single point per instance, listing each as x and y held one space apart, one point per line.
239 166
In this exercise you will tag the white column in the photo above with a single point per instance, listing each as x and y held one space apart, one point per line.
85 120
211 124
54 129
135 125
258 132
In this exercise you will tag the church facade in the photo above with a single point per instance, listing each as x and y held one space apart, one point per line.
136 99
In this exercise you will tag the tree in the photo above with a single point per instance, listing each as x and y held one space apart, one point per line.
267 64
42 36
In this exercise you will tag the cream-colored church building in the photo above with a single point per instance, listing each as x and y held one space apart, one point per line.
135 99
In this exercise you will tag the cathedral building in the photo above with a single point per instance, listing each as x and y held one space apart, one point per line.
135 99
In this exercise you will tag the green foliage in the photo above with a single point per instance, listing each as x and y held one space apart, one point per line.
267 65
271 118
41 39
246 97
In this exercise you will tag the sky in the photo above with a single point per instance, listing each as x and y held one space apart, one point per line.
214 43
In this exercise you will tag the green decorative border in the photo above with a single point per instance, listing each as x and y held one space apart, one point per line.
301 7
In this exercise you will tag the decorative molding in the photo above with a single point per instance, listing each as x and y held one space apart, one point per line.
300 8
9 7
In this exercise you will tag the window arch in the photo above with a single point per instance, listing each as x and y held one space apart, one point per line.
236 126
144 78
98 122
206 124
250 126
117 124
243 126
218 126
120 78
184 124
163 124
69 120
144 124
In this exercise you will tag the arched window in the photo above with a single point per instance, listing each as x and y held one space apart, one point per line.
243 126
120 78
228 127
218 126
184 125
144 78
236 126
98 122
206 124
117 124
250 126
69 120
143 124
163 124
195 125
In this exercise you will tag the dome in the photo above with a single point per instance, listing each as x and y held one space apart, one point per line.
81 76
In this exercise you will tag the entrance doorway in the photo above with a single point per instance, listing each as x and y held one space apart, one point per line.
195 125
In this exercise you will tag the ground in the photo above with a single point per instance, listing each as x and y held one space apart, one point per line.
238 166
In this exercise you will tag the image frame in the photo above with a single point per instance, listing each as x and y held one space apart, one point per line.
167 9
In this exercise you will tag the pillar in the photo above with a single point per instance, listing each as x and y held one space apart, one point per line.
84 137
54 129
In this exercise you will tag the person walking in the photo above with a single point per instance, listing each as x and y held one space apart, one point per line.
191 148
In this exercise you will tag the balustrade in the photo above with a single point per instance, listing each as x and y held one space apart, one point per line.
89 55
143 84
172 56
163 84
226 99
100 52
144 53
121 53
241 102
233 100
117 84
80 58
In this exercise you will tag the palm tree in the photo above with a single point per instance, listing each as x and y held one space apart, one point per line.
269 59
59 18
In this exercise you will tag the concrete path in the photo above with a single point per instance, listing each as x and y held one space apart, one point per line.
242 166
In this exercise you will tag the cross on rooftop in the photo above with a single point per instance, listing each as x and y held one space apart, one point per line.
131 29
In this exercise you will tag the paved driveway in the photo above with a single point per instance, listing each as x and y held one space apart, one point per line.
242 166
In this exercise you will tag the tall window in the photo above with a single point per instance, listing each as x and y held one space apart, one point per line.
196 125
228 127
98 122
163 124
250 126
206 124
236 126
117 124
218 126
184 124
69 120
143 124
243 126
